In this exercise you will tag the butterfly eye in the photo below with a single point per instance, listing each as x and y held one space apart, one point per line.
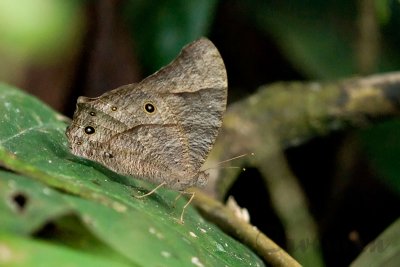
114 108
92 113
89 130
149 108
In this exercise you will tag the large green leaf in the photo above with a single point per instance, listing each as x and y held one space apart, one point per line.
146 232
17 251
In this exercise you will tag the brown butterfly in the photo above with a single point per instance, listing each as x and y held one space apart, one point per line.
161 129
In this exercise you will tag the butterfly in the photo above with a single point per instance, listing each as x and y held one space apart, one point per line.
161 129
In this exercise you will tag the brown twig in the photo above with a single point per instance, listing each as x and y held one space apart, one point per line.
245 232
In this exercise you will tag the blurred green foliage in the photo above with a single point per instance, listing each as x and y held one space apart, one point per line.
161 28
318 37
383 150
39 30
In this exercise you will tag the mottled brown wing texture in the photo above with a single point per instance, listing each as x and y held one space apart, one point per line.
162 128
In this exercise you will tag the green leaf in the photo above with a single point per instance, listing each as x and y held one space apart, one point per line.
383 251
17 251
30 207
144 231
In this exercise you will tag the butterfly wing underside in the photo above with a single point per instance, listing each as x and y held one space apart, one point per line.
169 141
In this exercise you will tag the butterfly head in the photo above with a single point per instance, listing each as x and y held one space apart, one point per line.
82 130
202 179
78 141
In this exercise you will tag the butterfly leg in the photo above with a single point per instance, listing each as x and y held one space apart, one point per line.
152 191
186 205
177 197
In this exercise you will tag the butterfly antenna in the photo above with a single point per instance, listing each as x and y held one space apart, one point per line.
227 160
